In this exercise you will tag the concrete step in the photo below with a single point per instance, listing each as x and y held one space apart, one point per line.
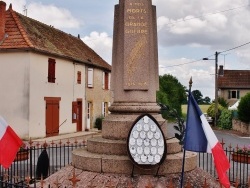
121 164
119 147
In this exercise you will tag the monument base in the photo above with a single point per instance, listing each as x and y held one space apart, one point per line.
193 178
108 153
107 156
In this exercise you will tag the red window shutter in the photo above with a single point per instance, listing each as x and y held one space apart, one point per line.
51 70
106 80
79 77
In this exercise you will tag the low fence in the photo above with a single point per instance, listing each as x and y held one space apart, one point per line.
25 169
239 171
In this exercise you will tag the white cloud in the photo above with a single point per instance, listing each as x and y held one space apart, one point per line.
60 18
211 23
52 15
101 43
162 21
187 25
17 5
203 79
216 22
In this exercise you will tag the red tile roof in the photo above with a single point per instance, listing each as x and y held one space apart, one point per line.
28 34
235 79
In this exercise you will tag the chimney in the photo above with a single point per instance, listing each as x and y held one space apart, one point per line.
221 70
2 19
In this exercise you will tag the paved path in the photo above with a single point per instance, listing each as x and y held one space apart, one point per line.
71 137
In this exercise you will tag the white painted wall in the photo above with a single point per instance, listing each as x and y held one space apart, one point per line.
22 102
14 91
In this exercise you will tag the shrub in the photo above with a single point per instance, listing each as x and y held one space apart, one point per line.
223 102
210 110
225 120
98 122
244 108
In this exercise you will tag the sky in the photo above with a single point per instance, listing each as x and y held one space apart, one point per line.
187 33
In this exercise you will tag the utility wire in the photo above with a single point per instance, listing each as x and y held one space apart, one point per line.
183 63
236 47
209 56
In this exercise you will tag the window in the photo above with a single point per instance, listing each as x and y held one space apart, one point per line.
79 77
90 78
105 80
51 70
233 94
74 112
104 109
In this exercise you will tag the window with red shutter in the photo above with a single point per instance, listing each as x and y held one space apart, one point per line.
51 70
79 77
106 80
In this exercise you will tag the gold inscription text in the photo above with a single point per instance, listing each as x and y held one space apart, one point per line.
137 10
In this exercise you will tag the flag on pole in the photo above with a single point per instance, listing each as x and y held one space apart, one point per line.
199 137
9 144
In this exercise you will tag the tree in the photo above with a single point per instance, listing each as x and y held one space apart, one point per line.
198 96
171 93
207 100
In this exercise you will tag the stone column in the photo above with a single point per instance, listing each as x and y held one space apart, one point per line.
135 58
134 79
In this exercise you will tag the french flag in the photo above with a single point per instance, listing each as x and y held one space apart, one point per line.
199 137
9 144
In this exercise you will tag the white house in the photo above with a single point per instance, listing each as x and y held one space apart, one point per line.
44 76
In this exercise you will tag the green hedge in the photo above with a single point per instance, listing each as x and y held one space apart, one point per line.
225 120
244 108
98 122
210 110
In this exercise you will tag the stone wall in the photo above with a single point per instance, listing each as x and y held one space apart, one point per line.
241 126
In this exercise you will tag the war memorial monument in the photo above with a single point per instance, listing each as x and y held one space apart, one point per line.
120 152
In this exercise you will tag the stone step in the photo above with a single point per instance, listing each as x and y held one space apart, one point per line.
119 147
117 126
121 164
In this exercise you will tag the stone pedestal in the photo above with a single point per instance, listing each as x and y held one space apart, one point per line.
110 156
108 153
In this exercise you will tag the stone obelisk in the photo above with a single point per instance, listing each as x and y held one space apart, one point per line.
134 82
135 77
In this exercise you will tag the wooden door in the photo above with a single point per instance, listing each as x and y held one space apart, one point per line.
79 116
52 117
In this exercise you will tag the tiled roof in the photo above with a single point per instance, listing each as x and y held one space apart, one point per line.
29 34
235 79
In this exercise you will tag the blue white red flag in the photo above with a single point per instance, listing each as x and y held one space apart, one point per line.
199 137
9 144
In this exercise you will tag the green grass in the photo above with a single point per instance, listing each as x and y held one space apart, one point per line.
203 108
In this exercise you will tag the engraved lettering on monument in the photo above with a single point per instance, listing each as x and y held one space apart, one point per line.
136 35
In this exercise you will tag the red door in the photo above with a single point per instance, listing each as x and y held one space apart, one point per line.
52 116
79 116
